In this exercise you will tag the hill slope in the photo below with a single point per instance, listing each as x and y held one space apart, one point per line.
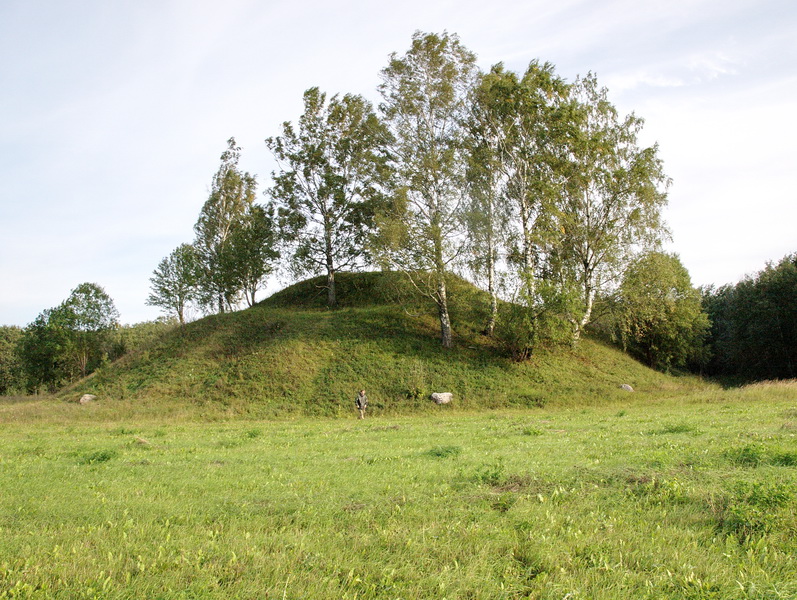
290 356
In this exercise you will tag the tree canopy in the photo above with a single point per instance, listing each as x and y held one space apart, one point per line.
537 186
660 315
754 324
425 102
611 204
69 340
231 195
332 168
173 284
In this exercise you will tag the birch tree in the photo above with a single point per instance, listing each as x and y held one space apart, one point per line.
331 167
521 121
254 249
518 127
425 99
232 193
173 282
487 216
611 206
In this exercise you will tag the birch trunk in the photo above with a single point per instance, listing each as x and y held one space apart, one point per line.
442 309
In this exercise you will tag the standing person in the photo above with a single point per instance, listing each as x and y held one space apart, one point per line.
361 402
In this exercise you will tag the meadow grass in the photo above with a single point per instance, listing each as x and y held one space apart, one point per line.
692 497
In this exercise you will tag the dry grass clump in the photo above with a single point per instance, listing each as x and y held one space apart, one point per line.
772 383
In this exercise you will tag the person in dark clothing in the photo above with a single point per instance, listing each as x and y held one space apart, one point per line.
361 402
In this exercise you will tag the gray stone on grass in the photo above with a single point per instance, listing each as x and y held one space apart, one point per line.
87 398
442 397
626 387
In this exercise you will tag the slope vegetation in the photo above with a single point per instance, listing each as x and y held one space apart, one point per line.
290 356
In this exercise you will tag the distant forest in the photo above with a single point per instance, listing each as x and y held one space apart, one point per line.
532 187
754 325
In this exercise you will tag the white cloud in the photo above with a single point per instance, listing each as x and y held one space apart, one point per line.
711 65
622 82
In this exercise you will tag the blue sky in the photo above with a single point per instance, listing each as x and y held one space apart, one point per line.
113 116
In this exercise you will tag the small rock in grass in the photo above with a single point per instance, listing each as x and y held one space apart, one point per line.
87 398
626 387
442 397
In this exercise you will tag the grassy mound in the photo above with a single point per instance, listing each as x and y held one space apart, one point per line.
289 356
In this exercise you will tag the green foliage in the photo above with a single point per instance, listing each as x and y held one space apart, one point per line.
254 244
425 96
139 336
232 193
174 282
12 379
87 316
613 198
516 330
332 168
533 322
89 308
754 324
513 139
71 340
560 194
660 317
41 352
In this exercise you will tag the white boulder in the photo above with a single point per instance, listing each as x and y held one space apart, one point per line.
442 397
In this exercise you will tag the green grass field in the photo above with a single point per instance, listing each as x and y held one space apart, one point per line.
693 496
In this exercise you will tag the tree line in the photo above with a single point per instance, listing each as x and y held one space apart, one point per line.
535 188
754 324
67 342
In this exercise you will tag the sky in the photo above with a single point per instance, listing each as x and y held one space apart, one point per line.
113 116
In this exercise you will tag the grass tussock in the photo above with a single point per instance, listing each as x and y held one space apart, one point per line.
780 384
